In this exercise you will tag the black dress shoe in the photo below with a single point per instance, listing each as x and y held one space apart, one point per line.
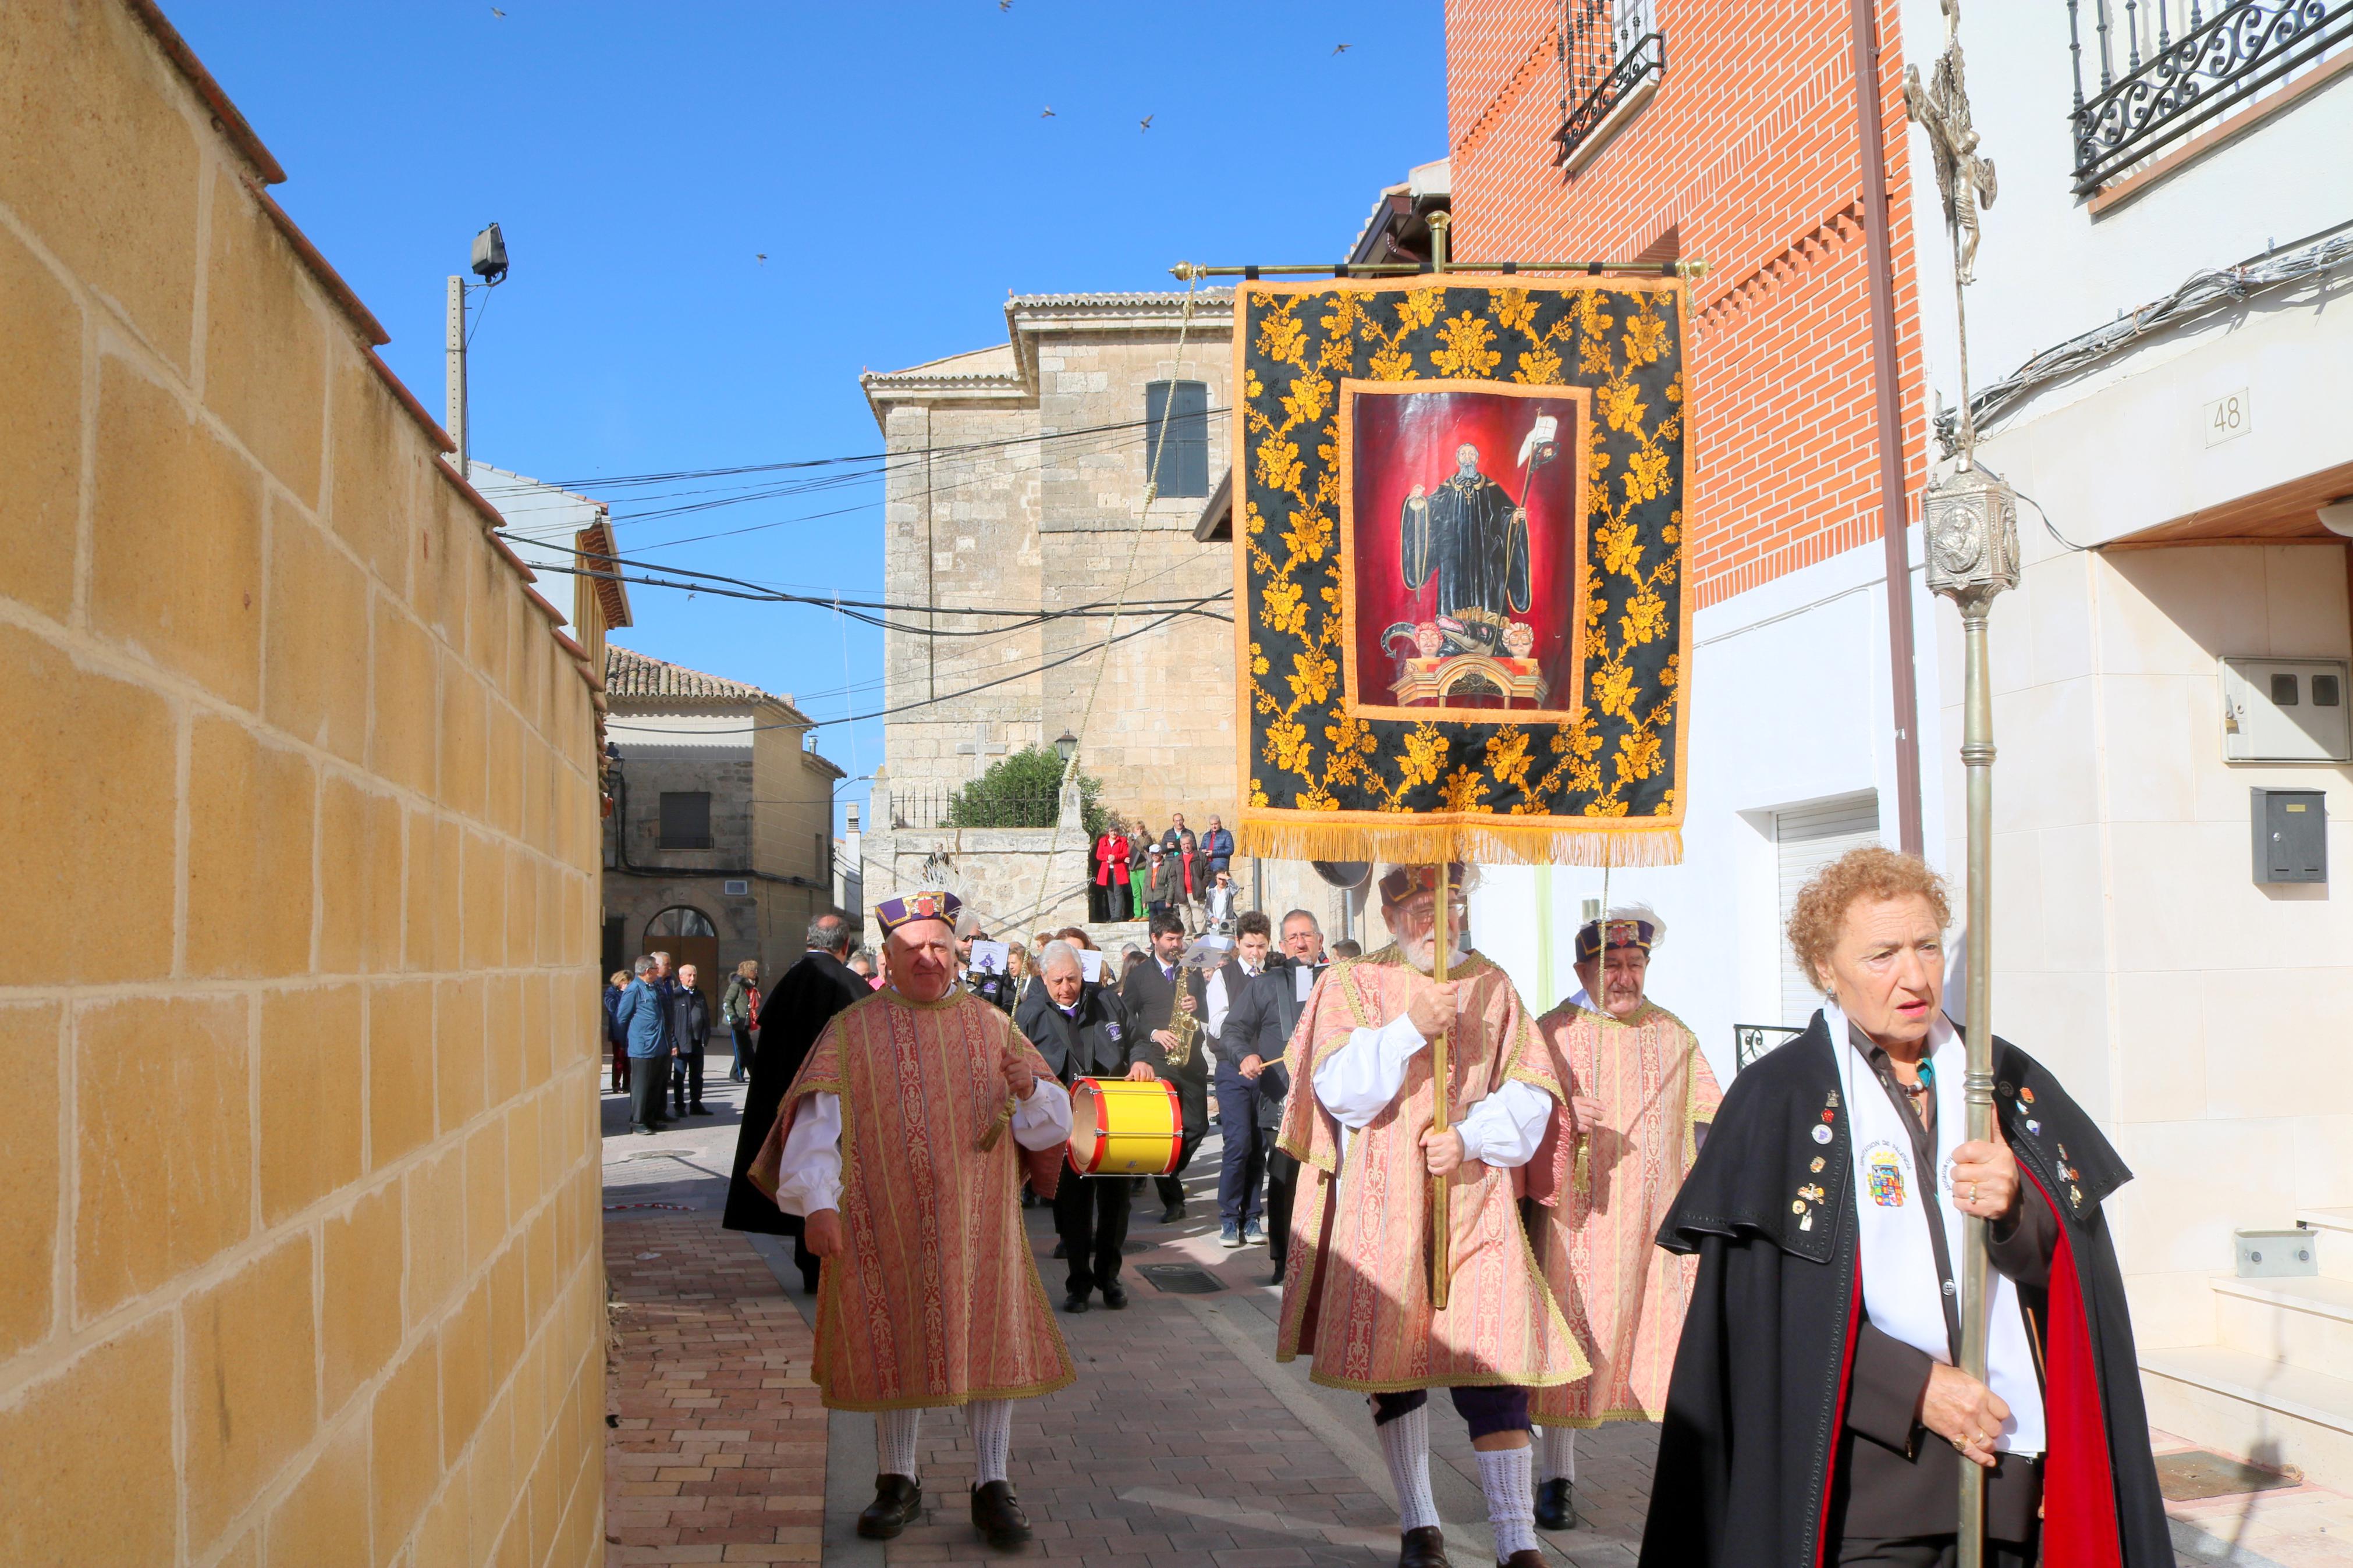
1173 1213
997 1515
897 1500
1423 1548
1556 1504
1076 1301
1061 1249
699 1111
1115 1297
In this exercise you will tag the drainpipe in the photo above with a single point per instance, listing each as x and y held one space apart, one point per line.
1893 517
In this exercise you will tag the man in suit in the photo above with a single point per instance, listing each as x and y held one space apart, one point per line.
1152 992
1083 1031
1242 1169
810 994
1259 1025
690 1037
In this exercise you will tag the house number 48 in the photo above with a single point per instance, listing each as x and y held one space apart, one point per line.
2228 418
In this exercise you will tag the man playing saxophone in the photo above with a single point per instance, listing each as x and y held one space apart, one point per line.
1163 988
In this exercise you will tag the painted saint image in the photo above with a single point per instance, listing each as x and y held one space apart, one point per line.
1472 535
1466 544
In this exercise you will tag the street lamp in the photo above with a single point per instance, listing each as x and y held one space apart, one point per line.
1066 746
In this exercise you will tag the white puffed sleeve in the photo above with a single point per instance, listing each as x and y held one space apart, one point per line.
1043 1119
1357 1081
1505 1127
808 1179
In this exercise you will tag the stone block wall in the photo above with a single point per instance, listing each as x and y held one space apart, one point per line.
301 1225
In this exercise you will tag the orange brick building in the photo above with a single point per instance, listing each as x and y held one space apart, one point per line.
1747 157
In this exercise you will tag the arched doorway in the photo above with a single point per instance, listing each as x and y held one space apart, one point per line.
687 934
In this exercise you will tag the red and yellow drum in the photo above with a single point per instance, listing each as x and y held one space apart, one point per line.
1120 1126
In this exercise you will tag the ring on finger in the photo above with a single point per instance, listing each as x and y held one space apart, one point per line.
1961 1445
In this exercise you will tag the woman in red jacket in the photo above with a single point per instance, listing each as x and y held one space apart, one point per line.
1108 900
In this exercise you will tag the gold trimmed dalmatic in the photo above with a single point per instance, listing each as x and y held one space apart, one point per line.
1623 1295
1356 1289
936 1298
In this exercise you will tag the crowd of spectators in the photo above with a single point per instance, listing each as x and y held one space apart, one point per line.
1133 876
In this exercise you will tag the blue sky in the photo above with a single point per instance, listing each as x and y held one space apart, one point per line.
890 160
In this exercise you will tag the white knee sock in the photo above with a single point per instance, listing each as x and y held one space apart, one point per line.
991 1423
1405 1443
1560 1453
1507 1477
894 1441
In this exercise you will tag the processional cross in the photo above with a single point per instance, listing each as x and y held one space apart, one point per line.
1970 524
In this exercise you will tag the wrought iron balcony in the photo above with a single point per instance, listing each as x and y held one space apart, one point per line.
2167 66
1610 52
1750 1041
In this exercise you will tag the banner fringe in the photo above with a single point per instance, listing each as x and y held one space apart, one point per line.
1598 842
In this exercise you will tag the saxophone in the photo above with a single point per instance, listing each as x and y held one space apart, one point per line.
1185 1027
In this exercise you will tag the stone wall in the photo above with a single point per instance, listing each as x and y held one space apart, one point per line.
303 1207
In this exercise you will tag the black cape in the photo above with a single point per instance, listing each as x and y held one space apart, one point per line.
791 1016
1757 1400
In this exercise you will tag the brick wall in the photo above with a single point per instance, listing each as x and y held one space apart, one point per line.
1749 151
301 1212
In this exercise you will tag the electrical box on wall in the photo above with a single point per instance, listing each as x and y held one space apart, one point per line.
2291 835
2285 710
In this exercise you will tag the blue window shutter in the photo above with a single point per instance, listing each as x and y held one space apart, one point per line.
1184 469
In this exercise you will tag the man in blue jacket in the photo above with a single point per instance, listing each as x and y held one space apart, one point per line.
1218 849
643 1019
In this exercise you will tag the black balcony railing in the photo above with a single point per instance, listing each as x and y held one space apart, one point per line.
2167 66
1750 1041
1608 50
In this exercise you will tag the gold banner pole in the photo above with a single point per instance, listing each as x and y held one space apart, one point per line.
1441 1068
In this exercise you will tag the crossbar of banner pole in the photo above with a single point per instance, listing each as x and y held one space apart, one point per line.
1186 271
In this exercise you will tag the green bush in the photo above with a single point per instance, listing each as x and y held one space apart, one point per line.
1024 790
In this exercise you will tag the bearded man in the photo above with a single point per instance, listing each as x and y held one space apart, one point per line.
1357 1295
891 1143
1641 1097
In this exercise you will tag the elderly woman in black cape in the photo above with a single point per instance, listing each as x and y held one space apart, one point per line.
1816 1415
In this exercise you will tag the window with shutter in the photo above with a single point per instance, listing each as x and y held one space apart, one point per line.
1179 411
686 819
1805 839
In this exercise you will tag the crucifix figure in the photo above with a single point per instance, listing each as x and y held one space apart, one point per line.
1964 180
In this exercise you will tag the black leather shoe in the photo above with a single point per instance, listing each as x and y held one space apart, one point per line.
1076 1301
699 1111
897 1500
1556 1504
1061 1249
1173 1213
997 1515
1115 1297
1423 1548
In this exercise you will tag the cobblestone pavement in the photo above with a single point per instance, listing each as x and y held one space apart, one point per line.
1182 1442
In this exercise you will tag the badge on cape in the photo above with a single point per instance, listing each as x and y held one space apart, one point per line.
1822 1132
1883 1175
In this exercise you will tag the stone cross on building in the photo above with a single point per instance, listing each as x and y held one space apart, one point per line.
980 748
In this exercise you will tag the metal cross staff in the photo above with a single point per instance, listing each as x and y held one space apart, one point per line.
1972 524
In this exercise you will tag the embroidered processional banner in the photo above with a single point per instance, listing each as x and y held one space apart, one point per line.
1459 522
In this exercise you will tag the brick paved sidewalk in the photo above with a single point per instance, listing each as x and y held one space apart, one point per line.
718 1451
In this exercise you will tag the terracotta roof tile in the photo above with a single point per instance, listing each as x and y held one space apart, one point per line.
631 674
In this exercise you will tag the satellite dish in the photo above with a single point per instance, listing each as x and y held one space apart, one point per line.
1344 873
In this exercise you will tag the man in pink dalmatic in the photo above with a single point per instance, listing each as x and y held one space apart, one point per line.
1640 1097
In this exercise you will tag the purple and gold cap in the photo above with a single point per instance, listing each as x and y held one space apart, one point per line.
1405 882
893 913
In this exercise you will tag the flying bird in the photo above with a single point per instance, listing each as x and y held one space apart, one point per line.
761 256
496 12
1147 122
1342 49
1004 4
1046 113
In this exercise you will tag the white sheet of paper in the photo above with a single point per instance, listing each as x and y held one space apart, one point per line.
1305 980
1091 966
989 957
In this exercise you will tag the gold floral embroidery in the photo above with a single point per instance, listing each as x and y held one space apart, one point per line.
1466 352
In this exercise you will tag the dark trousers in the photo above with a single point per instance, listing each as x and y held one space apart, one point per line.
686 1079
1281 1186
1485 1411
1171 1190
1242 1172
621 1066
1091 1217
742 1067
649 1079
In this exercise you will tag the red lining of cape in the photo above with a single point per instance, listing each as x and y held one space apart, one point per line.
1846 1377
2080 1527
